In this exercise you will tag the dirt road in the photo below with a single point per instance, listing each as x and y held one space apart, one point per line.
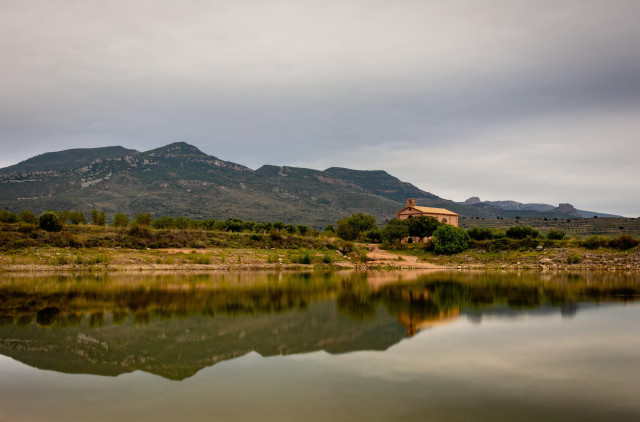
377 256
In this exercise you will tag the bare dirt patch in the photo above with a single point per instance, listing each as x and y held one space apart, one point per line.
380 257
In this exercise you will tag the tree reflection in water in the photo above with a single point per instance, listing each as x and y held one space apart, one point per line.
176 324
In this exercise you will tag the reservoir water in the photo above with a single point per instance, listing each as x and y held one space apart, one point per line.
412 346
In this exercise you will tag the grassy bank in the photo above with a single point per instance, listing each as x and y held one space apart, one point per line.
25 247
48 259
565 257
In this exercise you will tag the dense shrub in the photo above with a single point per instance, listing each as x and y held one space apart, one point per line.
450 240
556 234
140 231
73 240
624 242
480 233
574 258
275 235
306 258
374 236
595 242
520 232
50 222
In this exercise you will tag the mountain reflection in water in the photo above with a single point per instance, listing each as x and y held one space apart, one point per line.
173 325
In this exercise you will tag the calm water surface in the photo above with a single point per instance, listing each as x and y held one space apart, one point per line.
341 346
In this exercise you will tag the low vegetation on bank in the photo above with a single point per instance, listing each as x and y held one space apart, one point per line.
180 241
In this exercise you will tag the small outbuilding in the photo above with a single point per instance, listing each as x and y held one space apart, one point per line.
443 215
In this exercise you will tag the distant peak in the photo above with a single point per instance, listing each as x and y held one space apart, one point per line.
352 171
177 148
473 200
566 208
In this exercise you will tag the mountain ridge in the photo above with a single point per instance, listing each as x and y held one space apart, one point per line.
510 205
178 179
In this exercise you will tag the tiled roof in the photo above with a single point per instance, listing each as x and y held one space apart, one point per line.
429 210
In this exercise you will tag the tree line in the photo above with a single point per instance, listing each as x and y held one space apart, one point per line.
360 227
56 220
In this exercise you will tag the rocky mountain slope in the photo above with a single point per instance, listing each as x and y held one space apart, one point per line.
525 209
180 180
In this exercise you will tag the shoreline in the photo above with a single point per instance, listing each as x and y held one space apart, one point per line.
51 260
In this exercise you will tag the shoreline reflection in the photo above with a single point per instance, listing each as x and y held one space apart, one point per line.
173 325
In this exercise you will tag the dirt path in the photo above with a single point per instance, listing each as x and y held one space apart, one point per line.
377 256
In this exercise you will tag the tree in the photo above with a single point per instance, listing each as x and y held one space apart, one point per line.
77 217
395 230
120 220
27 216
98 218
8 216
50 222
143 219
450 240
164 223
63 216
423 226
350 228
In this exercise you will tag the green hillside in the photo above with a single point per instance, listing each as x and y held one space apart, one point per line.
180 180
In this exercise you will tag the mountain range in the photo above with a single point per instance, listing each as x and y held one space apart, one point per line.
543 208
180 180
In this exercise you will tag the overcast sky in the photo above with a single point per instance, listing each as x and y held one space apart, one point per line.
535 101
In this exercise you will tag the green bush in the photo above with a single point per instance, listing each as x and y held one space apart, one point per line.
556 234
498 233
595 242
27 216
520 232
450 240
275 235
8 217
306 258
50 222
99 259
574 258
480 233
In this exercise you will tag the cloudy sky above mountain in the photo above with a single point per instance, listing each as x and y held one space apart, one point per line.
535 101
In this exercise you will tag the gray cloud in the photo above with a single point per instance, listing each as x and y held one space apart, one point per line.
534 101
